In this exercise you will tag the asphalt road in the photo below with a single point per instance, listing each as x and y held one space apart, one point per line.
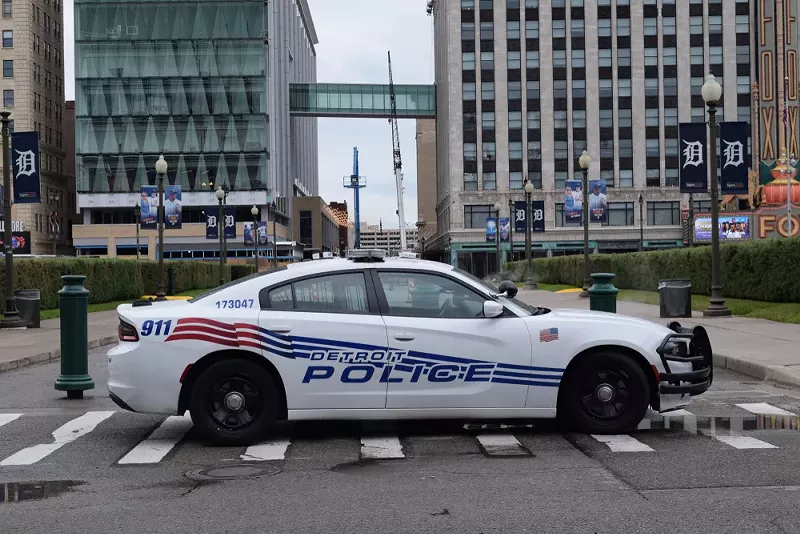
688 474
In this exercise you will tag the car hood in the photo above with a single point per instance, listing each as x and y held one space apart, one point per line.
587 316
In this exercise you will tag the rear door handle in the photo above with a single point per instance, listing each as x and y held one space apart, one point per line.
280 329
404 337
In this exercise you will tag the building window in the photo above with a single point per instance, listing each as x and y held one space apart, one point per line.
515 180
663 213
470 151
515 150
715 55
625 147
696 56
671 147
651 117
534 120
487 31
514 120
7 11
559 58
623 27
534 150
475 215
607 148
487 90
468 60
672 177
579 88
650 26
467 31
470 181
532 89
742 24
559 28
8 39
620 214
468 91
512 29
653 175
604 57
489 181
715 24
489 152
487 60
559 214
8 68
531 29
560 120
306 227
487 120
579 118
577 28
604 27
532 59
626 178
8 98
514 90
560 90
561 177
669 26
514 59
578 58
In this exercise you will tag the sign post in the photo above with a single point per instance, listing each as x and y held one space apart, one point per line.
10 315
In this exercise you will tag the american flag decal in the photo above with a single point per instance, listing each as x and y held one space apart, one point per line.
231 335
548 334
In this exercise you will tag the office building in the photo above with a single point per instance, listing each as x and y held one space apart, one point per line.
426 180
206 85
316 225
32 85
377 236
525 86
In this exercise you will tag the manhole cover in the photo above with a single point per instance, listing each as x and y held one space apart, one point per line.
232 472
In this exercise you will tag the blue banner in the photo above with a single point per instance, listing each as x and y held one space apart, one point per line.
25 167
520 215
229 222
263 238
173 208
598 202
733 157
537 216
505 229
491 229
573 202
148 207
693 149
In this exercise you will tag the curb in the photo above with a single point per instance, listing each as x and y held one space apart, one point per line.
52 355
760 371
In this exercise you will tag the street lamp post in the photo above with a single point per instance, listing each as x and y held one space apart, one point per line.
711 94
10 314
254 213
275 231
641 222
511 220
53 226
530 281
584 161
499 262
220 194
161 170
137 217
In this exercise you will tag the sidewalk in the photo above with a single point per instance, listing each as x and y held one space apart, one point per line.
763 349
19 348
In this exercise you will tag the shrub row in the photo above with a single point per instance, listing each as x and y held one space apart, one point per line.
111 280
755 270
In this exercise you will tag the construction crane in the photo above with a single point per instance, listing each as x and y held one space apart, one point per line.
398 162
356 182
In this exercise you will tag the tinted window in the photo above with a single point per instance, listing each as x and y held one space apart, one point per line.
428 295
281 298
339 293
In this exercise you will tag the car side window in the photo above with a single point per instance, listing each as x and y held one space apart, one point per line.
429 295
338 293
281 298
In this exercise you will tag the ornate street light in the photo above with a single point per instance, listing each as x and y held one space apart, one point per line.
584 161
254 213
161 170
499 262
712 92
530 280
641 222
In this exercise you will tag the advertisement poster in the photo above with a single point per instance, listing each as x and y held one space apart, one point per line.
263 238
573 201
491 229
733 157
598 201
730 228
692 141
25 167
229 223
148 207
505 229
20 242
173 207
520 216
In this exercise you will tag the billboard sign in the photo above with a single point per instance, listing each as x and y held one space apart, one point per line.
734 228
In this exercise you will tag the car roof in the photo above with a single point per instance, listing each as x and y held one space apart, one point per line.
342 264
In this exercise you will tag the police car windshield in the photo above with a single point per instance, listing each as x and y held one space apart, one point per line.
217 289
533 310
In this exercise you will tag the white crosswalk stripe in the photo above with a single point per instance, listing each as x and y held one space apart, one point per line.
744 442
6 418
382 448
622 443
64 434
762 408
162 440
268 450
501 445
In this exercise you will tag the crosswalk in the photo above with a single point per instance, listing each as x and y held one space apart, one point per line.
158 441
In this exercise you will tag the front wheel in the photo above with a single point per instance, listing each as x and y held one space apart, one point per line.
233 403
608 393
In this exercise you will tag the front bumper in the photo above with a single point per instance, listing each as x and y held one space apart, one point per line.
687 346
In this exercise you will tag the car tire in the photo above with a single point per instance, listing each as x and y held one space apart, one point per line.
607 393
216 394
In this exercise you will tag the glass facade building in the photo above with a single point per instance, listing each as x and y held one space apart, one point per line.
184 79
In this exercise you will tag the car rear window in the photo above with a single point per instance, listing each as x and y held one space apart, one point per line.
253 276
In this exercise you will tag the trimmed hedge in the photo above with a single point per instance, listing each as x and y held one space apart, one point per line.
754 270
110 280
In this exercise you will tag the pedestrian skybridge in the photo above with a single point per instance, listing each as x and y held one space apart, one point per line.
361 100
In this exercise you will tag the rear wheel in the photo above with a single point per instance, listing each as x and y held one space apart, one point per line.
233 403
607 393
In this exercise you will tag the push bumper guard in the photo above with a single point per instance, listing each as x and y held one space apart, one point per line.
687 345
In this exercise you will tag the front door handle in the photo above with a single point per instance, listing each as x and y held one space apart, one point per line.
280 329
404 337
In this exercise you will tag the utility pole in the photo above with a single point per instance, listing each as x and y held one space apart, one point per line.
10 315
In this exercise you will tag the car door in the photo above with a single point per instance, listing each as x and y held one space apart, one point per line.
327 339
447 353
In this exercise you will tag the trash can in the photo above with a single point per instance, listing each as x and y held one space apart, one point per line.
675 297
28 302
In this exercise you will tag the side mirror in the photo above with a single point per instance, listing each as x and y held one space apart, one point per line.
492 309
509 288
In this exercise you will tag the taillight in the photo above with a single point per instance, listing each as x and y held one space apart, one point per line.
127 332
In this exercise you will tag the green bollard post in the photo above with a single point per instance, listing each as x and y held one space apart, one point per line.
603 294
74 378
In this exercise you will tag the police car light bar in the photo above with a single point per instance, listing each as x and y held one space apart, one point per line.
408 255
366 254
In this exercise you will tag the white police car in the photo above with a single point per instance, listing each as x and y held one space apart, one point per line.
375 338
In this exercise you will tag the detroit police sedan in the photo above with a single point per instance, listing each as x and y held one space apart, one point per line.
370 337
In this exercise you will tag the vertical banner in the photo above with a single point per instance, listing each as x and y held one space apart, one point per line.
491 229
573 199
693 150
598 202
520 215
733 157
148 207
262 233
173 208
505 229
230 222
211 223
537 216
25 167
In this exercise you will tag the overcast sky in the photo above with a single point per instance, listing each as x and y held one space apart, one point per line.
354 36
